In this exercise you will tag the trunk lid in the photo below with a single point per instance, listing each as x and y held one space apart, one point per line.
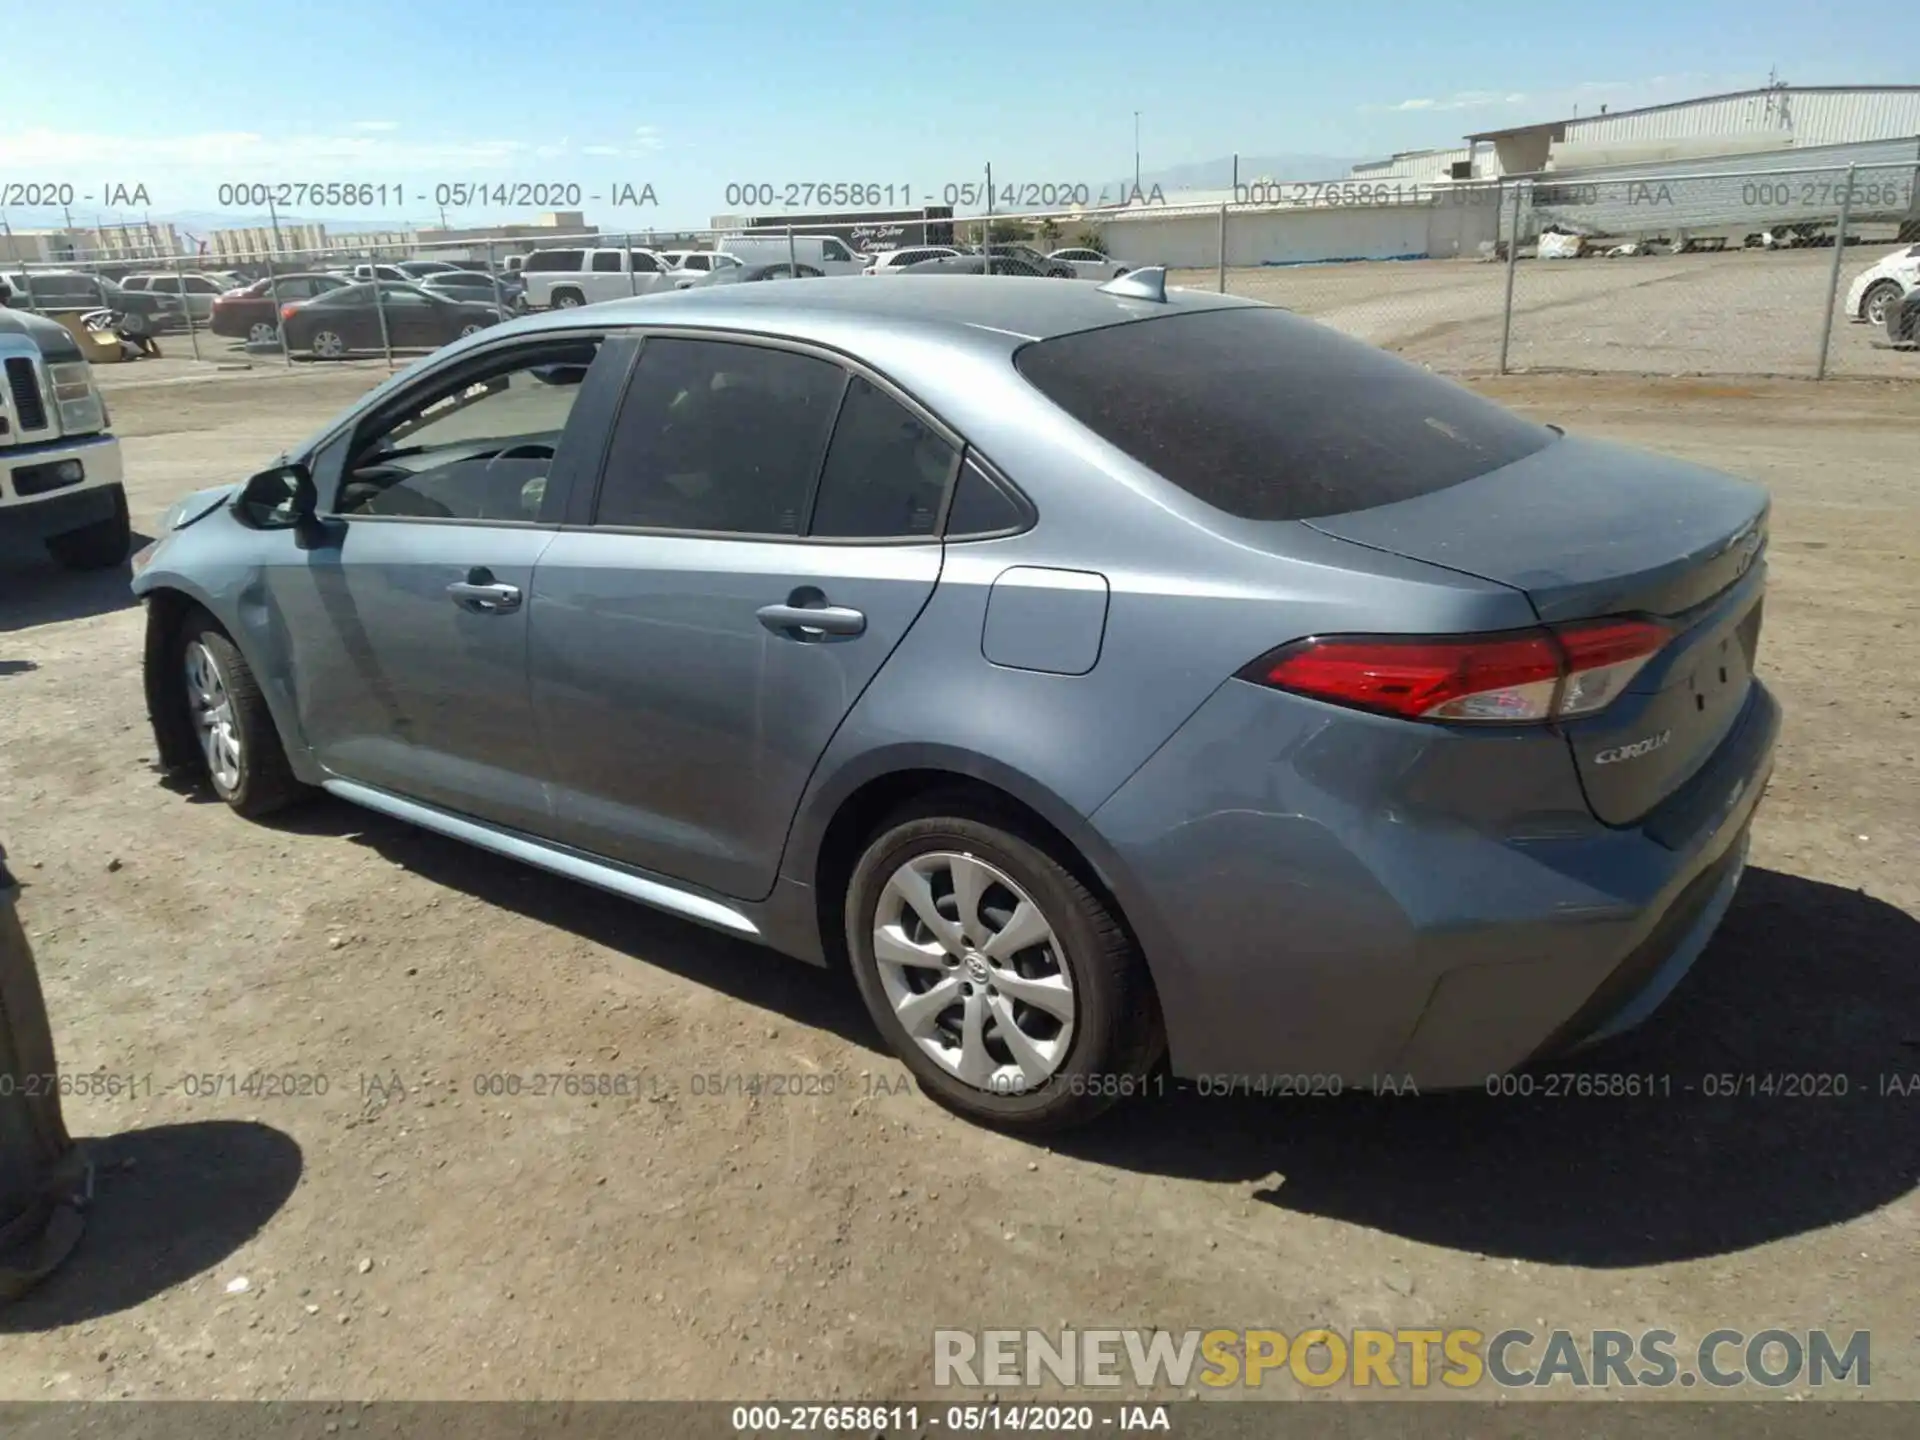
1586 529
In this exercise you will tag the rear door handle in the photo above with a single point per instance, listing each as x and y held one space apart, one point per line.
484 599
811 621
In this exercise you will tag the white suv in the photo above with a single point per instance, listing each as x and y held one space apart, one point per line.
701 262
563 278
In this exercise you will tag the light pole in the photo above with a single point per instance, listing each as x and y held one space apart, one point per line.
1136 152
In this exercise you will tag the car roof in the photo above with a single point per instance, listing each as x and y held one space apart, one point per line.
835 310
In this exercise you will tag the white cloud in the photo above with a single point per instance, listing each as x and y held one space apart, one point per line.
647 137
380 125
600 150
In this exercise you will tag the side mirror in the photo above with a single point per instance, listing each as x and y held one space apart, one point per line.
282 498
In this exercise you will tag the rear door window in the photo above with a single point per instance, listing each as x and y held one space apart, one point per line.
1269 416
606 260
715 436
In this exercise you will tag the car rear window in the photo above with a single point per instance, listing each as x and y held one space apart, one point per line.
1268 416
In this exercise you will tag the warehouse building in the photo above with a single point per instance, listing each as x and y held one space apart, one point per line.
1444 202
1746 122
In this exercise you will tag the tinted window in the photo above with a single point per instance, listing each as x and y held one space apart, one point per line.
1268 416
553 260
134 282
717 436
833 250
605 260
644 264
886 472
981 507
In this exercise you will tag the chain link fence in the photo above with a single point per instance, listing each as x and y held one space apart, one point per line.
1738 269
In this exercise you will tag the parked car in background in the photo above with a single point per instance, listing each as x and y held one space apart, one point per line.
892 262
420 269
828 254
408 317
1886 280
1089 264
1027 255
479 286
974 265
746 274
252 313
196 292
60 474
380 271
1363 726
65 291
698 261
563 279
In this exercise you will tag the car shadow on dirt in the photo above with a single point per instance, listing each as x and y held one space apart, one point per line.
38 592
803 993
169 1203
1813 985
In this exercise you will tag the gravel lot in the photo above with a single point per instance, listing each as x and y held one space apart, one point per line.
402 1235
1746 312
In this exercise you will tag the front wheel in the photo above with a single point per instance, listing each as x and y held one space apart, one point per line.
1873 305
262 332
134 324
99 546
328 344
1009 989
240 750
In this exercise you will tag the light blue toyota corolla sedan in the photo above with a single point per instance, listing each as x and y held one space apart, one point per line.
1119 679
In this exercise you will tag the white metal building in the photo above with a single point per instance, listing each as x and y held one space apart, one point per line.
1771 118
1454 164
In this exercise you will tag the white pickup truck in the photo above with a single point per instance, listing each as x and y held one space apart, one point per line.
562 279
60 477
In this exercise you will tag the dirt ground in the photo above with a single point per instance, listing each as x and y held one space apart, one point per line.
404 1234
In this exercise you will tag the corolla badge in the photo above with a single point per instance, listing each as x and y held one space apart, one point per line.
1633 751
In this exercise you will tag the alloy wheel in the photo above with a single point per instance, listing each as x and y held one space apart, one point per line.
211 708
974 972
328 345
262 333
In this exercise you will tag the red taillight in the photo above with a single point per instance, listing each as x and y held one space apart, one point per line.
286 311
1513 677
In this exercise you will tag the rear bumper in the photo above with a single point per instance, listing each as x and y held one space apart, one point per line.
1309 910
42 512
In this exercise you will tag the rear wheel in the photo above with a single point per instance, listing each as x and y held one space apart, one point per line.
1009 989
568 299
1873 304
99 546
134 323
240 750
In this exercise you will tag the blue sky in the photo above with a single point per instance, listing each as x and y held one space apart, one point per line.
690 97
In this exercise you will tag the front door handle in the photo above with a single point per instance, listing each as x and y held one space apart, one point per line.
811 622
487 599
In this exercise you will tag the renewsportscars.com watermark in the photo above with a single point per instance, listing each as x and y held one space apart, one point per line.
1391 1359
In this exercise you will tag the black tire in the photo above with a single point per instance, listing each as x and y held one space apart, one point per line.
568 299
134 323
266 781
1116 1040
1880 294
103 545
